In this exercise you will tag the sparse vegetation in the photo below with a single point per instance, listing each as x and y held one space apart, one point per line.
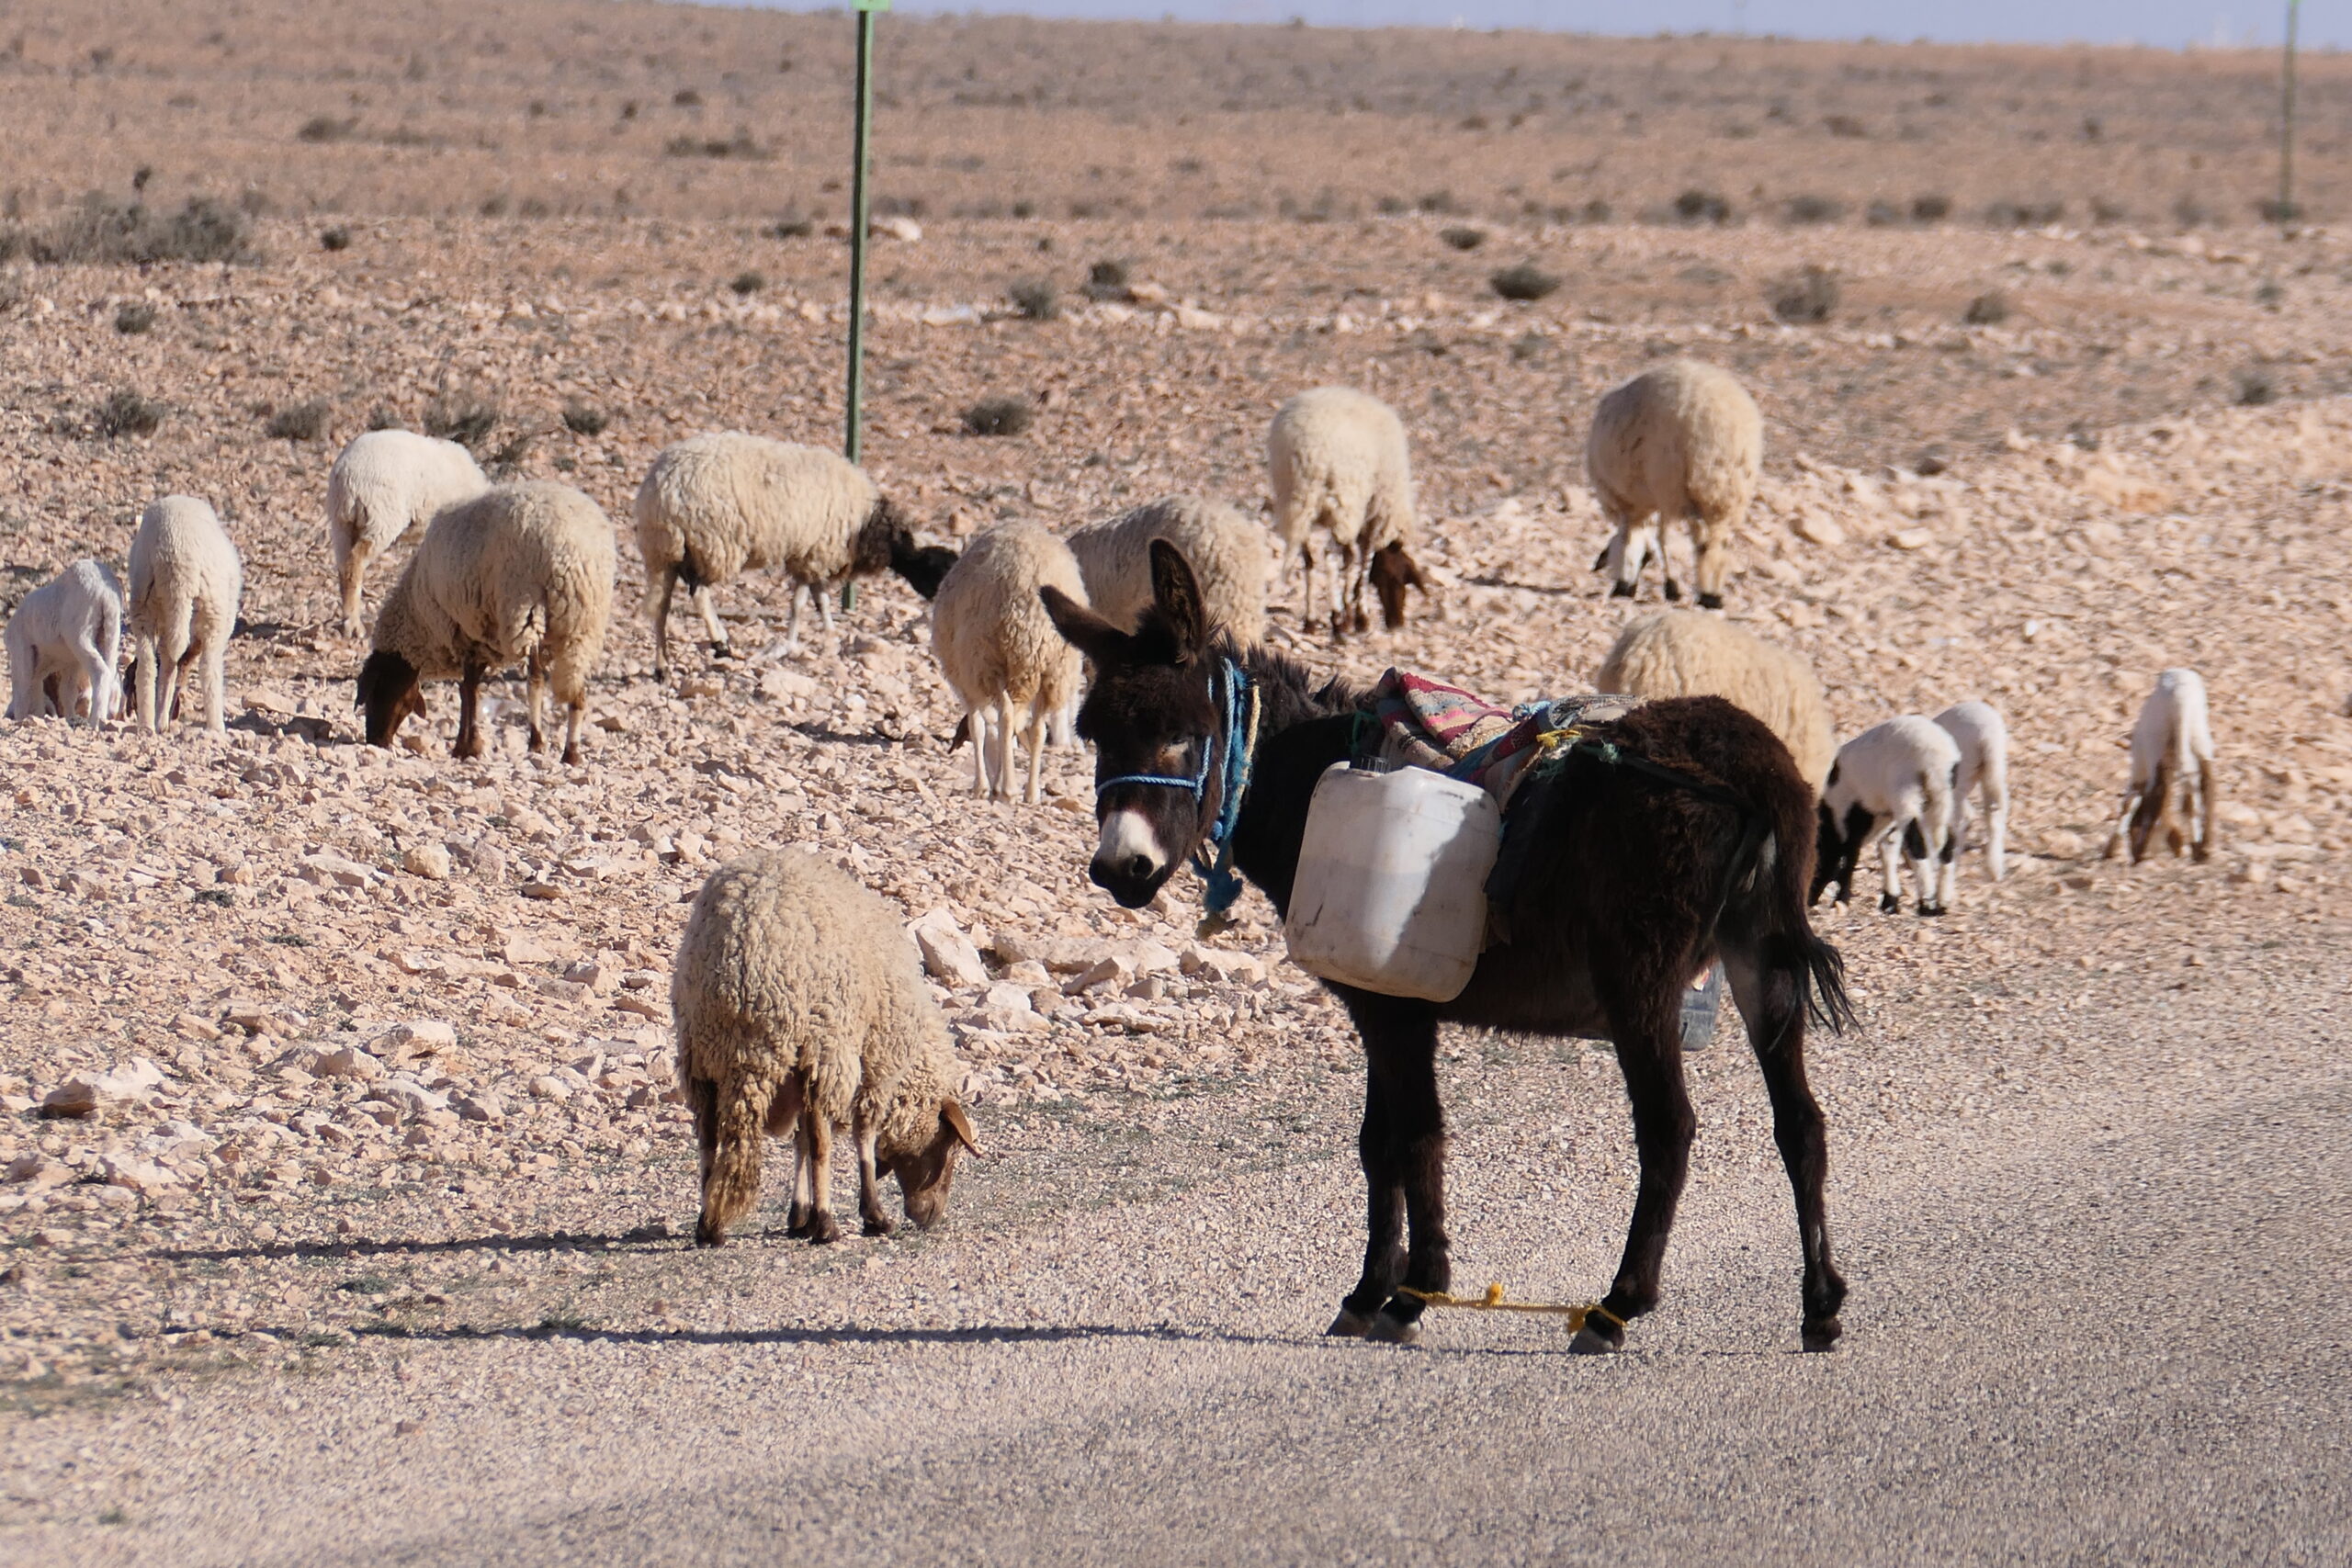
464 420
2256 388
1107 281
1931 207
999 417
507 462
790 227
126 412
584 419
102 229
1845 126
1036 300
335 238
2192 213
1806 296
303 421
135 318
2013 214
326 128
1463 238
748 283
2270 210
1526 347
1816 210
1524 282
1989 309
739 146
1696 205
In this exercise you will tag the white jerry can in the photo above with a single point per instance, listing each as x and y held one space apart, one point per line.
1391 890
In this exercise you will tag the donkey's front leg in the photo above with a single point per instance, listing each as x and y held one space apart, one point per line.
1400 1050
1383 1248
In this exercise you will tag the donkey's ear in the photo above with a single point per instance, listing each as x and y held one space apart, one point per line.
1083 628
1178 594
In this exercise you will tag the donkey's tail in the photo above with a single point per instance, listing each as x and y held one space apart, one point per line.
1792 952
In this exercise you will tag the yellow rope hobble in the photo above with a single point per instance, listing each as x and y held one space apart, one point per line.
1493 1300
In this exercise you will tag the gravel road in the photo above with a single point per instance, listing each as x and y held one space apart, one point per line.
2094 1321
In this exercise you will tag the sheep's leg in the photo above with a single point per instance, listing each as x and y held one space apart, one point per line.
719 647
869 1186
1036 744
730 1135
353 570
469 705
659 608
1621 560
1657 544
179 680
534 691
1996 828
2122 822
1306 583
804 1178
975 729
823 596
214 673
576 713
2204 848
98 674
822 1227
1710 564
146 680
1890 866
1007 759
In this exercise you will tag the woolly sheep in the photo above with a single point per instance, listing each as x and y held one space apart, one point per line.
65 642
713 507
1683 440
999 648
1983 742
1338 461
523 572
2172 745
1228 552
185 580
385 488
1684 653
798 1005
1893 781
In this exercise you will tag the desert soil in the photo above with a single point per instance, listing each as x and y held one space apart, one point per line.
366 1240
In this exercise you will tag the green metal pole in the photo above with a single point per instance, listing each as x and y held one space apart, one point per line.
854 435
2287 125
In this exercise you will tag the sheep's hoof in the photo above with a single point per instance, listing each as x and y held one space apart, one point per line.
823 1228
1710 600
1888 904
722 650
1673 589
1929 911
708 1235
571 756
536 744
1592 1341
877 1225
2200 855
1348 1325
1621 591
1821 1333
1387 1330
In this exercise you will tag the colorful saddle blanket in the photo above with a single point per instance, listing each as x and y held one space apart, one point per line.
1422 723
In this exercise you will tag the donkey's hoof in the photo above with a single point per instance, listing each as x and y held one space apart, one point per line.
1387 1330
1349 1326
1590 1341
1822 1334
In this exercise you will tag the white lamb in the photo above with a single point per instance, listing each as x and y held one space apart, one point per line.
1983 742
1228 552
999 651
1338 461
522 573
385 488
716 506
2172 745
1891 783
66 643
1680 440
186 581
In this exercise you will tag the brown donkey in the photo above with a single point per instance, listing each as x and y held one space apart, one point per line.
1677 835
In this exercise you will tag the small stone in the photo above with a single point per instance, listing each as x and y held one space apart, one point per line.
190 1027
1816 526
428 861
947 952
417 1038
483 1106
38 1171
1912 539
545 891
547 1087
350 1062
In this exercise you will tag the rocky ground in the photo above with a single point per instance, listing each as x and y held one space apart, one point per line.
321 1060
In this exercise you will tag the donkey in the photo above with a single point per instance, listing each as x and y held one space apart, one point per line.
1676 834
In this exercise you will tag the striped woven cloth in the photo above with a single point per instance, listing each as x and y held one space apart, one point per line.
1429 723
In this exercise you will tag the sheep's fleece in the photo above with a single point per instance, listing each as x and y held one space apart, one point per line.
1225 550
1692 653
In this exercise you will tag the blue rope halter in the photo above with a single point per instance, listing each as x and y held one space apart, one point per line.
1224 886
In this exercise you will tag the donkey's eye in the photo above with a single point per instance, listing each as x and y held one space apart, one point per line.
1175 755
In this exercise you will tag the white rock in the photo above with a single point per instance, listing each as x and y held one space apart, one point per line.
417 1038
39 1171
350 1062
428 861
947 952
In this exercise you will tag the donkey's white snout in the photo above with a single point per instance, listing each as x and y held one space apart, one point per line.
1129 849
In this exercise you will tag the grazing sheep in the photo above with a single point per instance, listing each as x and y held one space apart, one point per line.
1983 740
2172 744
798 1005
385 488
999 648
1685 440
185 580
1894 780
1338 461
713 507
1228 552
1683 653
65 642
523 572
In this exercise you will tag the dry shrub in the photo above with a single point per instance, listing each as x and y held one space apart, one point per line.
584 419
999 417
2256 388
1806 296
1036 300
792 226
740 145
1463 238
1524 282
335 238
126 412
1816 210
1107 281
105 230
135 318
467 421
303 421
748 283
326 128
1932 207
2024 214
1696 205
1845 126
1989 309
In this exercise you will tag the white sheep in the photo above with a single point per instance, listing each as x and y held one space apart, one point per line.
799 1005
1338 461
521 573
1227 550
384 487
66 643
2172 752
1685 653
1680 440
713 507
1892 784
1983 740
999 651
186 581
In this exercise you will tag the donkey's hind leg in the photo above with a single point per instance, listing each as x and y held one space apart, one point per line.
1772 1003
1404 1156
1644 1021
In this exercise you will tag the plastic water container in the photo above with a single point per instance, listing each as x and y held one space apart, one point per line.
1391 891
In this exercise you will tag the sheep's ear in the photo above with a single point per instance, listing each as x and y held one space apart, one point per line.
1083 629
952 1117
1178 594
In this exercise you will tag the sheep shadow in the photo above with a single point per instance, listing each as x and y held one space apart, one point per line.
1555 591
977 1334
640 1237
